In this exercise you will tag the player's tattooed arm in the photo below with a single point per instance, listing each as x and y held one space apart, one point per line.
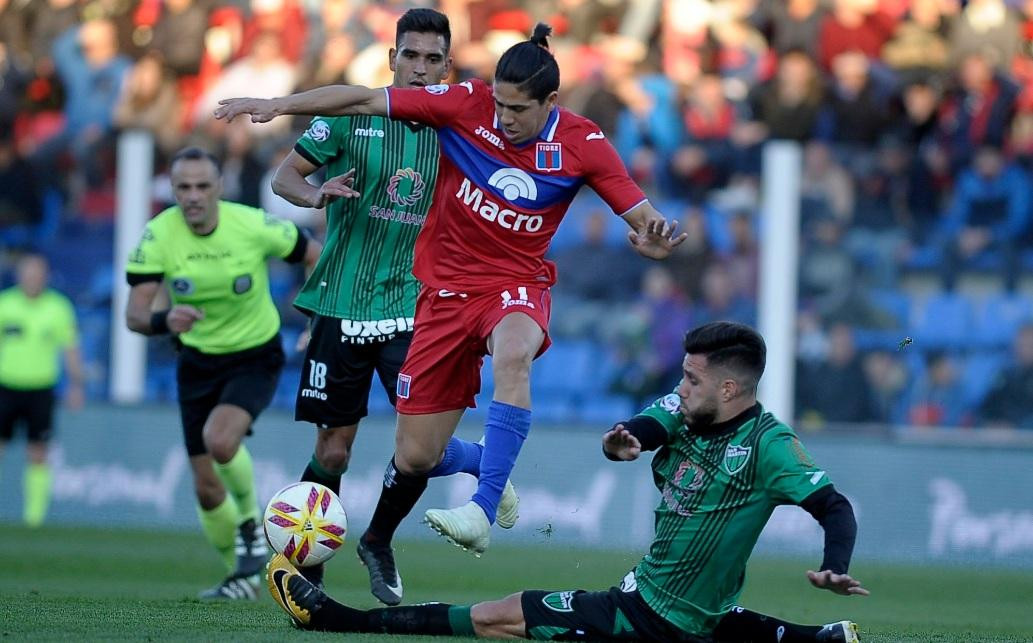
332 100
651 235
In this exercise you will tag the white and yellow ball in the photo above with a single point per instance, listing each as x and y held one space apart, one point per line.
305 522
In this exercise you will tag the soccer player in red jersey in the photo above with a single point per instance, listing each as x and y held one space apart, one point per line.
512 160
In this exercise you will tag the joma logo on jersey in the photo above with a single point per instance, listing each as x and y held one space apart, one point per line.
521 300
489 136
488 209
736 458
369 132
360 332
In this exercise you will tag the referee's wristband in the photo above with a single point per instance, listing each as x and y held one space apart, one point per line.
160 322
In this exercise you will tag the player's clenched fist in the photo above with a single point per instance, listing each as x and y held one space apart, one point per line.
621 444
181 318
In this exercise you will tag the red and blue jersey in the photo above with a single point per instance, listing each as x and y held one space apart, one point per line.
497 205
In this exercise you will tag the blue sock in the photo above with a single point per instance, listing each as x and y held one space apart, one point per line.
504 434
460 456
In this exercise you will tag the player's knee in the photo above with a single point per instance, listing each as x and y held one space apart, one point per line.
498 619
333 456
221 448
414 462
511 361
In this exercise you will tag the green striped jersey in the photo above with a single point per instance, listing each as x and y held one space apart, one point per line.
717 493
365 270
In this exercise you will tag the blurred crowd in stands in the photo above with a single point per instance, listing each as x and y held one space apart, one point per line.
916 120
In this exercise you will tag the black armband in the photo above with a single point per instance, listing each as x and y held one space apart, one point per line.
160 322
835 515
650 433
297 253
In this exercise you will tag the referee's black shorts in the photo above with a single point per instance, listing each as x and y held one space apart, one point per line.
246 379
33 407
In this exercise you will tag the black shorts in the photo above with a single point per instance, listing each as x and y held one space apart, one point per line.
338 372
246 379
34 407
612 615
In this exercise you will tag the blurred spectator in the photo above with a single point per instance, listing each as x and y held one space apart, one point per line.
938 397
744 257
829 282
722 299
689 260
928 165
826 189
242 171
150 101
14 30
706 158
979 112
878 234
20 201
990 212
741 56
855 110
48 21
594 275
835 389
888 381
282 18
853 25
264 73
13 80
92 72
179 34
987 27
663 315
919 45
787 106
791 24
1010 400
330 66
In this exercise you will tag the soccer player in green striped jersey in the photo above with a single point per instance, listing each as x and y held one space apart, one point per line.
723 464
361 297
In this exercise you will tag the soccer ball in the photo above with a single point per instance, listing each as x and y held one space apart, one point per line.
305 522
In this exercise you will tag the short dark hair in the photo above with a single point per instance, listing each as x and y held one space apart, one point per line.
423 21
530 65
735 346
196 154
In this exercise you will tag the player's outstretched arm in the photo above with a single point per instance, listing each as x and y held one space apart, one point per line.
651 235
833 511
332 100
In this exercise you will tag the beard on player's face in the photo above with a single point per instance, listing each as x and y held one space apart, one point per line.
703 416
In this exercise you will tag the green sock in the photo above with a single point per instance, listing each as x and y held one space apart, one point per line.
460 620
37 482
239 477
220 528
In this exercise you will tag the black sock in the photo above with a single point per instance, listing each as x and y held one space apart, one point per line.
743 626
397 498
314 472
435 619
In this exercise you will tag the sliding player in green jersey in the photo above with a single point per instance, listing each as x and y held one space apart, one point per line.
723 464
362 294
212 255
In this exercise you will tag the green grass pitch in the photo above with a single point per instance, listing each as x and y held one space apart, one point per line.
86 584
